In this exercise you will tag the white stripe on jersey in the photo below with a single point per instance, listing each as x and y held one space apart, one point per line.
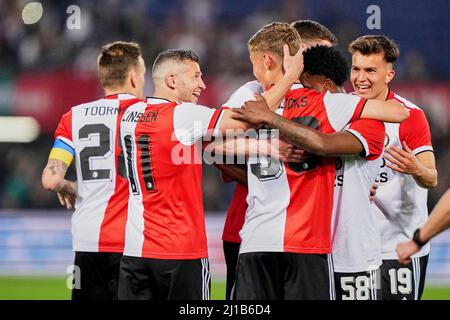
422 149
355 234
337 114
206 278
67 141
416 274
361 139
93 194
134 233
271 218
399 198
245 93
331 277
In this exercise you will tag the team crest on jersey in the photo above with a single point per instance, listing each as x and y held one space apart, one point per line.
387 141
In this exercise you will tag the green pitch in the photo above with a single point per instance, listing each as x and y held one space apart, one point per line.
51 288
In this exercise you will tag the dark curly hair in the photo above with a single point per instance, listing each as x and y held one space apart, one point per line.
328 62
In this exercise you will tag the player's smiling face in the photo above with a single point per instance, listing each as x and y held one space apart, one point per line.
190 83
370 75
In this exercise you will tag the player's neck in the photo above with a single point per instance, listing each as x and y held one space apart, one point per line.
164 94
274 78
383 95
121 90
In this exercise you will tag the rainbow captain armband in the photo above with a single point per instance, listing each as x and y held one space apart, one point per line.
62 151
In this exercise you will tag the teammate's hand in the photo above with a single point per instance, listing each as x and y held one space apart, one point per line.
373 192
403 161
254 112
68 194
405 250
293 65
288 152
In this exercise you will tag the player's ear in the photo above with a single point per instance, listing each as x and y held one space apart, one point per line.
390 75
170 81
268 61
133 78
328 84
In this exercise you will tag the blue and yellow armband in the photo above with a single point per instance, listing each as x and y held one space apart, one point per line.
62 151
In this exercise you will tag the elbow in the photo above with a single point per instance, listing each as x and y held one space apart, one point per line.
320 149
323 146
433 184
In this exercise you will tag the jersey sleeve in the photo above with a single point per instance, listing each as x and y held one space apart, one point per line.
415 131
245 93
371 134
342 108
63 148
192 122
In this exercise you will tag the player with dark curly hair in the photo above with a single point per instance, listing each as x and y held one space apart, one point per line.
325 69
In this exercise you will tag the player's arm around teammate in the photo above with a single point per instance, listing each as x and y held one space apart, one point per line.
310 139
293 66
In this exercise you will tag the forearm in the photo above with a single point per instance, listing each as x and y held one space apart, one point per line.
235 172
53 175
426 178
277 92
304 137
439 219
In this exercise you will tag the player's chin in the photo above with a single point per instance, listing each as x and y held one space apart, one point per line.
194 98
364 93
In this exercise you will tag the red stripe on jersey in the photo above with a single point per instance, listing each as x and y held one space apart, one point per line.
174 225
236 215
64 128
112 230
359 109
308 216
373 132
415 130
215 118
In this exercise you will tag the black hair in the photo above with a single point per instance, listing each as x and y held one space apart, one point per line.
328 62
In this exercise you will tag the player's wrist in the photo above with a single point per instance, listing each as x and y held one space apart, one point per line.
417 239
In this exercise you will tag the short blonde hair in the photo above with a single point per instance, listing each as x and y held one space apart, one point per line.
273 36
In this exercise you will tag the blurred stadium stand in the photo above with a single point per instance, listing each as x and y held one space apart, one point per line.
39 243
45 68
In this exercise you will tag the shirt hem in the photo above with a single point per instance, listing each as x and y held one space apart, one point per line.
357 269
286 249
166 256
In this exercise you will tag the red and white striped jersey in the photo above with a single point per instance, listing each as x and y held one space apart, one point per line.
238 206
290 205
401 203
163 145
90 129
355 236
235 215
